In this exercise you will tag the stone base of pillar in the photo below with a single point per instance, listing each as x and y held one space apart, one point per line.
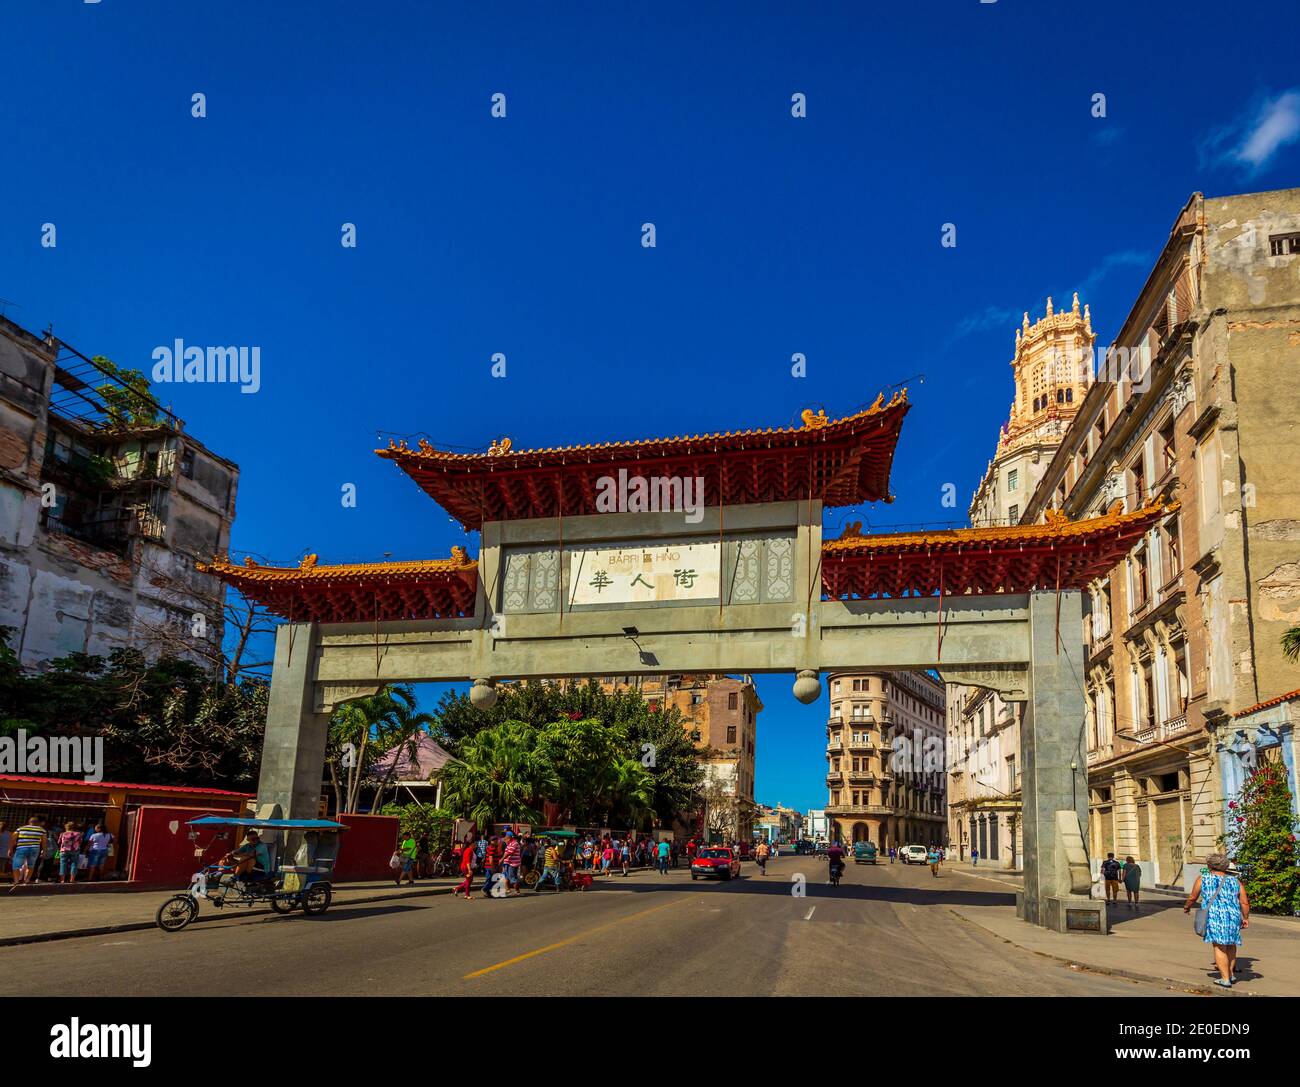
1069 913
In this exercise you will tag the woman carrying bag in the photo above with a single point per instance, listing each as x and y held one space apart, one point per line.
1223 913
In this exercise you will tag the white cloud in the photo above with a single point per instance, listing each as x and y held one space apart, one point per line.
1261 132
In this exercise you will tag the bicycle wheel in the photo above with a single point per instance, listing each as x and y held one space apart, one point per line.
316 899
177 912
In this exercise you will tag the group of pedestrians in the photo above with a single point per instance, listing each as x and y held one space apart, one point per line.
1128 872
34 852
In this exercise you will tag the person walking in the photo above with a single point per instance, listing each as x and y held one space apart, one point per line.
893 854
408 850
1226 911
466 884
760 855
626 853
29 845
491 865
97 847
551 869
974 857
1132 881
1110 873
664 850
511 858
69 853
933 858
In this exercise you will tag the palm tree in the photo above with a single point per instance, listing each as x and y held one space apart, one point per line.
362 730
1291 644
499 776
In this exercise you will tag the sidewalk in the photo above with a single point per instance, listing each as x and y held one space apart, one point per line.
31 917
1155 944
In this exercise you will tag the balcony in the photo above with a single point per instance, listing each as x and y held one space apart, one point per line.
859 809
1175 725
832 780
861 777
861 745
835 747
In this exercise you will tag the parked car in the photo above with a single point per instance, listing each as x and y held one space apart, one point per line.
864 853
715 862
914 854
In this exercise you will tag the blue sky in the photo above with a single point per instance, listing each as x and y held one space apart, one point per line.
522 235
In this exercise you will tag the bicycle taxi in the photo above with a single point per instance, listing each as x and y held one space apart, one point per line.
284 887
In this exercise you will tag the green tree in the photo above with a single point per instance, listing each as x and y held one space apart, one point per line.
162 721
424 819
1291 644
1261 838
500 777
362 730
597 781
127 400
659 741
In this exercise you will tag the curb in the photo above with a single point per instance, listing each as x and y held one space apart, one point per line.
138 926
1131 975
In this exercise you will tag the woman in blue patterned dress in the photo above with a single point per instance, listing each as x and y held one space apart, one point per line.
1228 912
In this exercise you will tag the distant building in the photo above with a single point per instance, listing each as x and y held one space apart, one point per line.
884 756
815 825
1052 374
724 710
105 506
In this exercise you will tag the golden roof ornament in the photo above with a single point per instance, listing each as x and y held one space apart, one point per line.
459 555
814 421
1075 308
499 448
1055 518
1049 305
308 562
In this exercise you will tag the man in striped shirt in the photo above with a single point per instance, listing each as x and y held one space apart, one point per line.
29 845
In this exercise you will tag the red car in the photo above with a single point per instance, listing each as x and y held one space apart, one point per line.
715 862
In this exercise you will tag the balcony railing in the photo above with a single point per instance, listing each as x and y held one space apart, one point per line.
1175 725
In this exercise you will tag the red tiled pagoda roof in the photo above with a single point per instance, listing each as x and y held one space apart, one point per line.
1005 559
359 592
842 462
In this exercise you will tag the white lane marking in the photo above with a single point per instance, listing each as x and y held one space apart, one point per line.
808 916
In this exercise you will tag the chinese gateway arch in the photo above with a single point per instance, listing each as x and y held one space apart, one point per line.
750 586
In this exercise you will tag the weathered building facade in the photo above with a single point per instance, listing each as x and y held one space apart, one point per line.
105 507
1198 403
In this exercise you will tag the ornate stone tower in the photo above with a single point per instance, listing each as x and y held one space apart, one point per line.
1052 366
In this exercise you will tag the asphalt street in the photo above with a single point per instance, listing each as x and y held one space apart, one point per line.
885 931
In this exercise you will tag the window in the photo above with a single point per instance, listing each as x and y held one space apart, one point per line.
1035 404
1167 447
1141 577
1283 245
1173 548
835 687
1013 479
187 464
1069 396
1060 396
731 734
1013 514
733 700
1138 485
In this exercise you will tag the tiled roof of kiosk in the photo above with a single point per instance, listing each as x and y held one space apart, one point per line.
839 461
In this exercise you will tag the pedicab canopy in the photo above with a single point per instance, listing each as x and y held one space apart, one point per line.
266 824
838 462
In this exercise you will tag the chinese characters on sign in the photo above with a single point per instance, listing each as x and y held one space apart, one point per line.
630 575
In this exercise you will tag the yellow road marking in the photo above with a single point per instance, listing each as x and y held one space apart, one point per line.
570 940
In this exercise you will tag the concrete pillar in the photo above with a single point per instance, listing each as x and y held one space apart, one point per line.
293 750
1055 765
